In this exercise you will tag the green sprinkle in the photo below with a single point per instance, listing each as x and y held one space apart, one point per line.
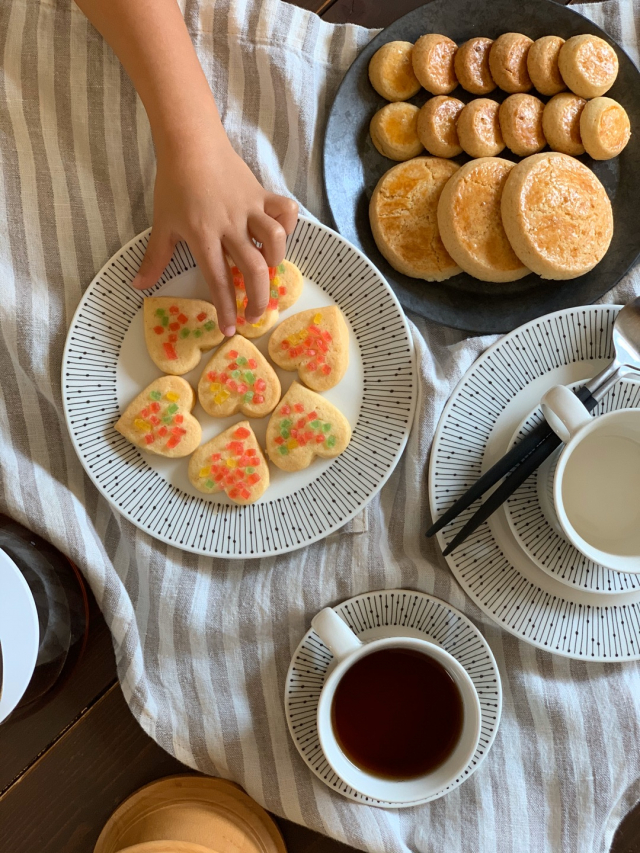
241 360
156 395
167 419
281 268
284 432
209 484
249 377
330 442
250 470
159 312
197 333
248 397
184 333
172 409
315 424
236 374
209 326
284 450
286 424
326 427
274 293
165 322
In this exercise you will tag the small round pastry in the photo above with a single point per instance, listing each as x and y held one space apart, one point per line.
542 65
432 58
588 65
521 124
470 221
404 218
604 127
561 123
479 128
391 72
508 62
557 215
471 65
394 131
437 126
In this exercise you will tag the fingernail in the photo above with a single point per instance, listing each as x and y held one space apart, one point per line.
229 331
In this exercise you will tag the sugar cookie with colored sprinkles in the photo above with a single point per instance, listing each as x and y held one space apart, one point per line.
285 287
316 344
305 425
238 378
159 419
177 331
231 462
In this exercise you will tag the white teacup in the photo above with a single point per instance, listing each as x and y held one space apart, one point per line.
596 485
347 649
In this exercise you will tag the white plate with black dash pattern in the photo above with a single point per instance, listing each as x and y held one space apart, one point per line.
504 385
106 364
373 616
535 525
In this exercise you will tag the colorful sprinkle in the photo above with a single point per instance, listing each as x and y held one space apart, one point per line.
156 395
170 352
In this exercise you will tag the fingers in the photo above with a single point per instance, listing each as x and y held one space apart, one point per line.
253 267
284 210
157 256
271 234
217 274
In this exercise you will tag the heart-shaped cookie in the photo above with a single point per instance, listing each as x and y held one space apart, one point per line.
316 344
305 425
285 282
159 419
177 331
238 378
233 462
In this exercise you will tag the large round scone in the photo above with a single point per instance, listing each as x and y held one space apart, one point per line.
604 127
432 59
437 129
542 65
391 71
479 128
589 66
508 62
394 131
557 215
521 124
470 221
561 123
471 64
404 218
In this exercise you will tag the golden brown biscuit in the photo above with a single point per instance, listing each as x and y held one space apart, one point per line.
561 123
437 126
588 65
471 65
521 124
178 330
232 462
394 131
542 65
391 72
557 215
470 221
404 220
508 62
433 57
604 127
479 128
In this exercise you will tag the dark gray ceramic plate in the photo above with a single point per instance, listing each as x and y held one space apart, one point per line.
352 167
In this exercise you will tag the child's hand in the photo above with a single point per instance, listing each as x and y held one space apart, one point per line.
207 195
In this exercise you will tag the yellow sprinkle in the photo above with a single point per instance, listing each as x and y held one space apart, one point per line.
317 319
221 396
276 281
172 396
204 472
231 463
292 444
215 387
142 426
239 303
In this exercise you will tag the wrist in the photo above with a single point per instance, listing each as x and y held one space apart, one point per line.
187 131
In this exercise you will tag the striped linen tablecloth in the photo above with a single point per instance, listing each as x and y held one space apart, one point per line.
203 646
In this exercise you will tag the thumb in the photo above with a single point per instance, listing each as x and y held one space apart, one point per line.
158 254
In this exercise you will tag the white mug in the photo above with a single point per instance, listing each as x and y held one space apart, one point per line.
596 485
347 649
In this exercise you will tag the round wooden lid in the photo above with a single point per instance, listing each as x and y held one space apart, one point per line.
213 813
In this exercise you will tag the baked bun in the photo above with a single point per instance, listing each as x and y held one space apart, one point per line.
404 219
561 123
437 126
557 215
394 131
433 59
521 124
479 128
542 65
508 62
471 65
391 71
589 65
470 221
604 127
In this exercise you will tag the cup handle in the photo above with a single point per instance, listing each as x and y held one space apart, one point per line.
335 633
564 412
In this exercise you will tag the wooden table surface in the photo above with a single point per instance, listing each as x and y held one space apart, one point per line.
65 768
